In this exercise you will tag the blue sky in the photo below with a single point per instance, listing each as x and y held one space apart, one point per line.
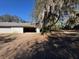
21 8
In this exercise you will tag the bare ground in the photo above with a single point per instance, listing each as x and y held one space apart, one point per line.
58 45
22 43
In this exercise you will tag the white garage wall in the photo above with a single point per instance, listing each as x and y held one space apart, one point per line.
5 30
17 29
11 30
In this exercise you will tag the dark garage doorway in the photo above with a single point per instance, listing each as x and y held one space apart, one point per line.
29 29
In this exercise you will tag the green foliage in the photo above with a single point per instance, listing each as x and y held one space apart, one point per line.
10 18
50 11
71 22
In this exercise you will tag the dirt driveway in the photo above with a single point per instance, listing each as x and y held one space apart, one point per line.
58 45
22 43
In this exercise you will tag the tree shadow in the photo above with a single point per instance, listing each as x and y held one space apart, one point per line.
55 48
7 38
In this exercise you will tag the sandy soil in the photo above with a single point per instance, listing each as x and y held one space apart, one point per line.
25 46
19 45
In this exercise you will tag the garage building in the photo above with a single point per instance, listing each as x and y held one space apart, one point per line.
13 27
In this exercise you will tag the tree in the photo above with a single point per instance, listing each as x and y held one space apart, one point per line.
10 18
71 22
49 12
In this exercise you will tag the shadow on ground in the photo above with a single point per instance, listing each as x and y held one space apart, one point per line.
5 38
59 47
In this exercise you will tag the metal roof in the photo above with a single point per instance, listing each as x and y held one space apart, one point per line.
14 24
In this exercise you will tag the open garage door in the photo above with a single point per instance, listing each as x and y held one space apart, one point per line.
29 29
